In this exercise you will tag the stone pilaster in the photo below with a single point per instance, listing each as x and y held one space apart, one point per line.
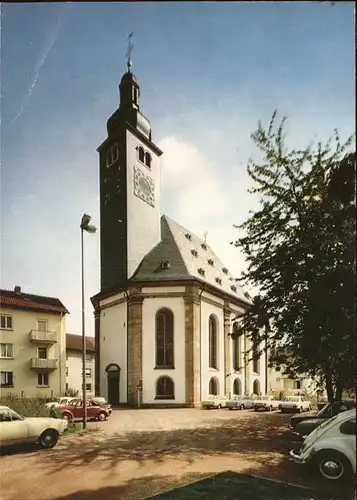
192 345
97 353
227 349
135 327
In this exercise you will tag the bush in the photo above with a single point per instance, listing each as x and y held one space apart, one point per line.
26 407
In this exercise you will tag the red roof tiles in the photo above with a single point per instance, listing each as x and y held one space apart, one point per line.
75 342
19 300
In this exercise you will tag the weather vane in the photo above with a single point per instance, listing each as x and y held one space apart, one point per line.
129 51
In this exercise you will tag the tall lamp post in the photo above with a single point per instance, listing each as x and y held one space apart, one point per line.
85 226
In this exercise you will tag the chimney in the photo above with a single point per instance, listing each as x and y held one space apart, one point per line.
17 290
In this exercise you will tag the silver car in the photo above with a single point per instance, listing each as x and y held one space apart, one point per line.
240 403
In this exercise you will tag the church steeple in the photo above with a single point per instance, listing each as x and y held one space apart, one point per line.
129 109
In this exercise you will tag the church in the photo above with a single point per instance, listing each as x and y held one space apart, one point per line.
168 306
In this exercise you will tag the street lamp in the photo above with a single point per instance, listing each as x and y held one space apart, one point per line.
85 226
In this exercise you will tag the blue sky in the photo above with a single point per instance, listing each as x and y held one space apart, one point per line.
207 72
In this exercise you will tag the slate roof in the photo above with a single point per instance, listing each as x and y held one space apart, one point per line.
19 300
188 257
75 342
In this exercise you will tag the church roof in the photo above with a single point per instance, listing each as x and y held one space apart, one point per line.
181 255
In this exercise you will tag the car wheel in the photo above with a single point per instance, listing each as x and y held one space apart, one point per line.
255 409
242 407
333 466
219 407
67 416
269 408
300 409
102 416
48 439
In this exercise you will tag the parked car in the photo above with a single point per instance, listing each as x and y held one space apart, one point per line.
240 403
331 448
74 411
102 402
61 401
15 429
214 402
266 403
294 404
305 427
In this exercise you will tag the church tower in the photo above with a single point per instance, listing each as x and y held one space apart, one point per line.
129 188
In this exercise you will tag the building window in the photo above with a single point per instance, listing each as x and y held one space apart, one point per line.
194 253
42 325
225 270
88 387
42 379
6 351
112 155
213 347
42 352
141 154
88 372
66 371
297 384
213 387
201 271
165 388
256 387
188 236
237 387
6 379
211 262
256 356
88 357
236 347
219 281
5 322
148 160
164 338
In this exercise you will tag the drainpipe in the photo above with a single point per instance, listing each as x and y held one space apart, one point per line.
127 344
199 296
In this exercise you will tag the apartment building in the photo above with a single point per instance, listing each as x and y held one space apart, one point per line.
32 344
74 363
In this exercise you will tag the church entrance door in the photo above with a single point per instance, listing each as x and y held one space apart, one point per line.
113 379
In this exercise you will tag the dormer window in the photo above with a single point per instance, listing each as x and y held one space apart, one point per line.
225 270
194 252
112 155
165 264
233 288
148 160
201 271
188 236
141 154
219 281
204 246
211 262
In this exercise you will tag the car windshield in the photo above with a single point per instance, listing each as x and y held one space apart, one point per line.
328 422
16 416
291 398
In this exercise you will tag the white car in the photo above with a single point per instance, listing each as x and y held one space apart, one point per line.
59 402
330 449
214 402
297 404
266 403
15 429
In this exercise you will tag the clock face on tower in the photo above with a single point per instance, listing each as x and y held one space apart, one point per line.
144 187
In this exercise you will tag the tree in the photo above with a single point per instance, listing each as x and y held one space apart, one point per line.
300 247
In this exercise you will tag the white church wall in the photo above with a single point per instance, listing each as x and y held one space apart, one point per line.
150 374
206 372
141 237
235 374
113 346
162 289
209 296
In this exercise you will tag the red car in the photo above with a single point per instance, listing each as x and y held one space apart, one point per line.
74 411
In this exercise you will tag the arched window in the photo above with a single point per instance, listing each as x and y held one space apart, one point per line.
148 160
237 387
141 154
164 339
256 387
236 347
213 387
213 347
165 388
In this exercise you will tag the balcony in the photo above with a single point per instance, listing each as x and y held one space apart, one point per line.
43 337
43 364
